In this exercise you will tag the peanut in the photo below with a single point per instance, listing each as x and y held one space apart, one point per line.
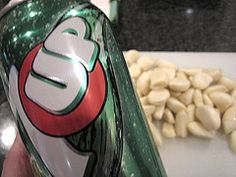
228 83
144 100
159 79
148 110
146 63
155 134
232 141
134 71
174 93
168 116
175 105
168 130
143 83
201 80
132 56
181 75
197 98
170 72
158 97
229 120
216 74
178 84
196 129
191 112
209 117
181 123
158 113
207 100
187 97
221 100
216 88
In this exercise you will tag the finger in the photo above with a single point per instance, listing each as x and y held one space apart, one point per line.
16 163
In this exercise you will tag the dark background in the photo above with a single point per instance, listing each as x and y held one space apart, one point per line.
165 25
178 25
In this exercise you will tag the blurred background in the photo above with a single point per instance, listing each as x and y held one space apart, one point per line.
155 25
173 25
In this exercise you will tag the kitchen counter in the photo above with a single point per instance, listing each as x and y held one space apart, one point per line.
178 25
160 25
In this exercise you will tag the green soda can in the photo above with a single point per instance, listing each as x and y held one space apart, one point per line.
70 91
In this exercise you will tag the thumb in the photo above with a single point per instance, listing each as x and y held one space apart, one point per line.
16 163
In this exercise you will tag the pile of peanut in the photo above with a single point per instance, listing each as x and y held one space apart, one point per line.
184 100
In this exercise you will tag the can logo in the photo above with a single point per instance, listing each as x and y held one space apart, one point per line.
62 83
60 89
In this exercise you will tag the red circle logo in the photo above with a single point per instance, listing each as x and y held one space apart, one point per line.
85 112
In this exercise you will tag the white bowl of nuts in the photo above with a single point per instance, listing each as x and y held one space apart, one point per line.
190 104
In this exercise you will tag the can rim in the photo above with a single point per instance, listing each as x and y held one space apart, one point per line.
9 6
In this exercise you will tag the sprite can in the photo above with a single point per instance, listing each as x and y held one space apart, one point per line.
70 91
